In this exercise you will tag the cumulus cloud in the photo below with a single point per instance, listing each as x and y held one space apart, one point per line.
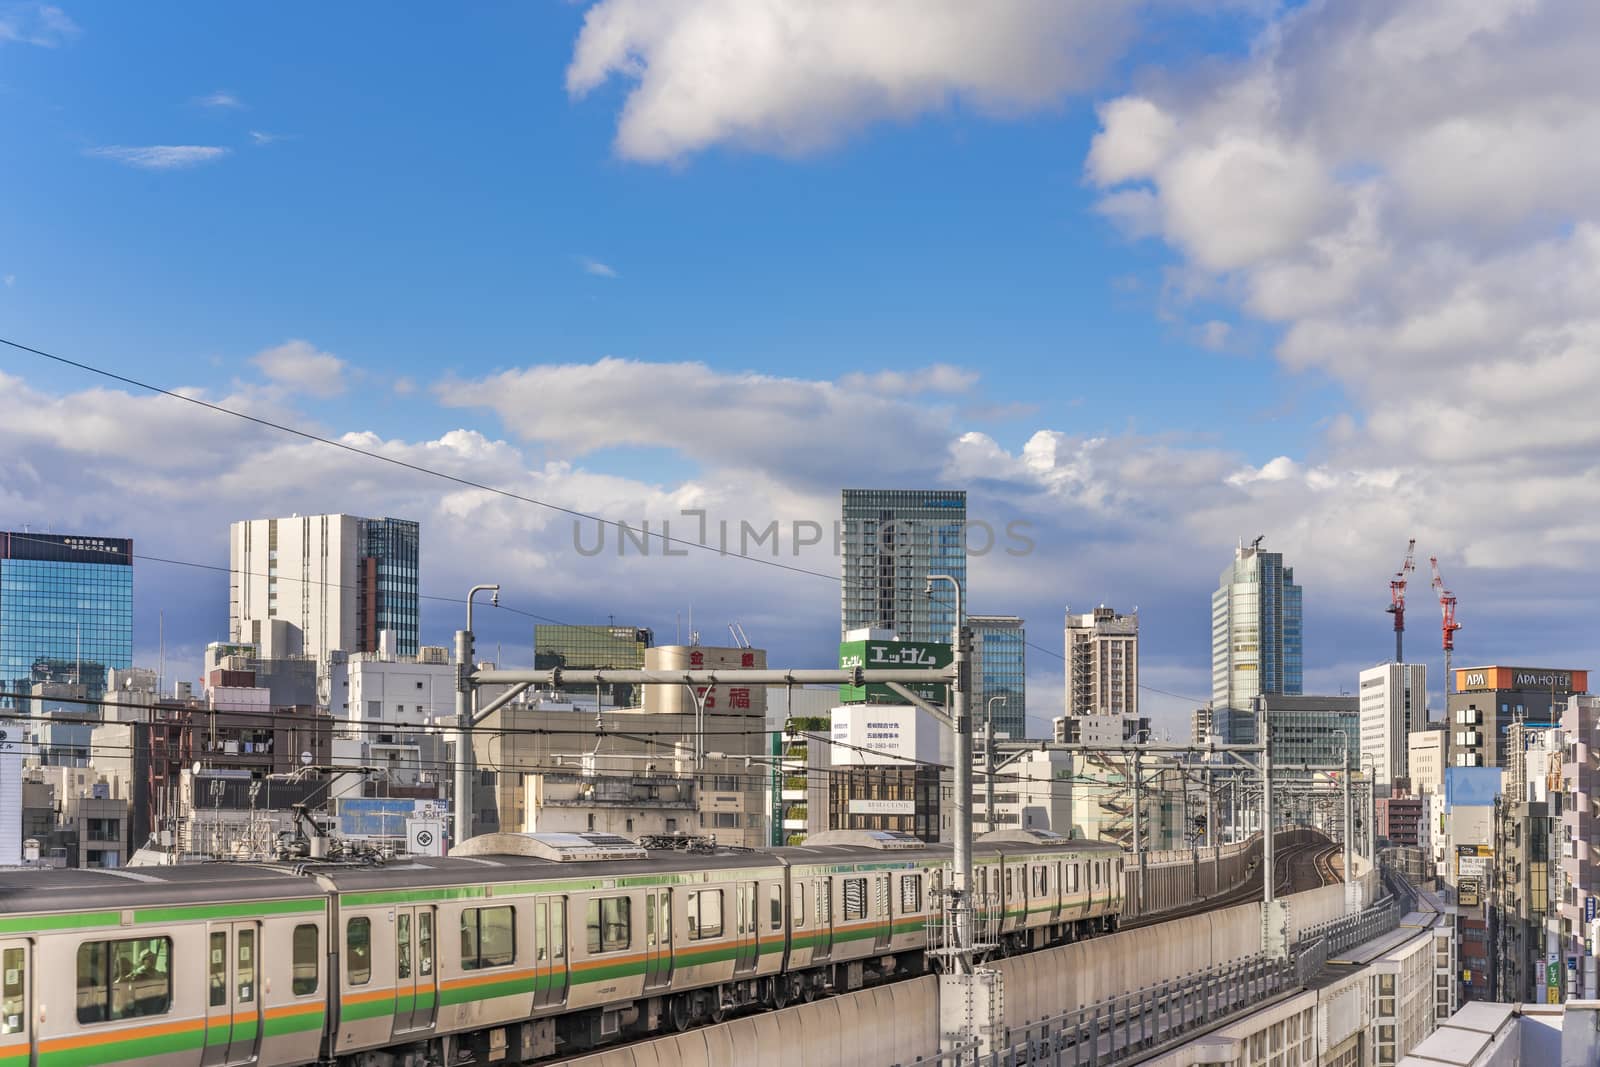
791 76
160 156
936 378
303 368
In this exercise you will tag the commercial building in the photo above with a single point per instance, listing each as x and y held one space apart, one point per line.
609 647
66 611
1103 730
1256 638
1000 656
887 770
1201 726
1425 758
1520 901
1324 731
1033 792
1576 906
891 541
1487 700
1394 702
1102 650
310 585
1469 831
391 692
731 699
1402 819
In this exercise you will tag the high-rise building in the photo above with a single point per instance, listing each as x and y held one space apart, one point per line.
66 612
309 585
999 652
1487 700
1201 729
1102 663
1394 702
891 541
1256 638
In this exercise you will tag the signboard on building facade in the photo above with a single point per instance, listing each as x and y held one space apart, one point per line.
883 807
884 655
1481 679
866 735
1468 893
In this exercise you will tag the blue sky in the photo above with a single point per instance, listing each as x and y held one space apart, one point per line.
1086 214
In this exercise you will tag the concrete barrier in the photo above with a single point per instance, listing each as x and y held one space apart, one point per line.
895 1023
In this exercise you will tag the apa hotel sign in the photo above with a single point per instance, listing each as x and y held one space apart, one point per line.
1531 679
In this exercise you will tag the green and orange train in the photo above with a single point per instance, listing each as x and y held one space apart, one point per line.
517 947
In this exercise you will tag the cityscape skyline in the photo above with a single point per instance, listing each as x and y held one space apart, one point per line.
1120 351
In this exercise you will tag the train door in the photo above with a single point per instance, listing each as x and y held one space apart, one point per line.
16 996
416 979
657 939
233 998
881 902
748 947
550 937
824 897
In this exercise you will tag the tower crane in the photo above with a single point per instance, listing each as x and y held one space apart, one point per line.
1397 598
1447 611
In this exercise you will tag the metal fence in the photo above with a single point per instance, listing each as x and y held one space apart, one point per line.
1119 1029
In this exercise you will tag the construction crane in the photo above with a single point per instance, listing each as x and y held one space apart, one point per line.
1447 610
1397 598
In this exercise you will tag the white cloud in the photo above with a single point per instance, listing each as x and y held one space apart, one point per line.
300 366
935 378
44 25
261 137
160 156
404 386
222 99
793 76
597 268
1214 335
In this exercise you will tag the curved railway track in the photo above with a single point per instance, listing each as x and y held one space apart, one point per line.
1296 867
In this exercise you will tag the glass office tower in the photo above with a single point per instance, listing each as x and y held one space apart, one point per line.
999 648
388 550
891 541
1256 639
66 611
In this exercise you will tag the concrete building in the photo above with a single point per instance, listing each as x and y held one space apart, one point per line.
309 585
392 692
1201 727
1487 700
1579 833
1425 759
1105 730
1030 793
1102 651
66 611
1394 702
1256 638
891 541
1470 796
89 813
1000 661
1402 820
1319 730
1520 900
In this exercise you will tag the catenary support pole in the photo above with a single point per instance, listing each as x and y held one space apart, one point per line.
462 800
961 717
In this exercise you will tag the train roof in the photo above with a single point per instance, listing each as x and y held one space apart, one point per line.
31 889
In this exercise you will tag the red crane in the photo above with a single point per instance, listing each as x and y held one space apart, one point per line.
1397 598
1447 609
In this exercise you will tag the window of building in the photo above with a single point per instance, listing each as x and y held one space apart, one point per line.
304 950
358 950
488 937
911 894
855 899
705 914
610 924
124 979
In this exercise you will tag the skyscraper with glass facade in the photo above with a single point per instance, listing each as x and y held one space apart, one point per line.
891 541
66 611
387 585
999 650
1256 639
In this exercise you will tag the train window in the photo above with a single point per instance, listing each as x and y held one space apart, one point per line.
824 904
910 894
1096 868
1072 877
1008 883
705 914
219 969
244 966
776 893
488 937
402 945
358 950
124 979
610 922
425 943
1041 880
855 898
558 928
13 1012
797 904
305 960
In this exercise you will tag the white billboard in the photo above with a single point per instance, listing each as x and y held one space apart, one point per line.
885 734
883 807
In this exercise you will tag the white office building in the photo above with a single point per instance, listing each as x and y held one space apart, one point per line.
1394 702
